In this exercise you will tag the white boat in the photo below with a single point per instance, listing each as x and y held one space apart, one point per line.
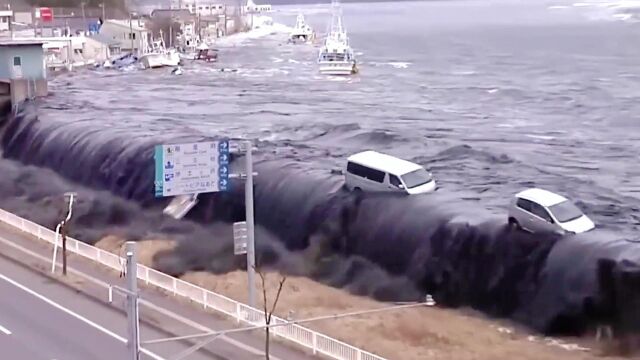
336 56
302 32
159 56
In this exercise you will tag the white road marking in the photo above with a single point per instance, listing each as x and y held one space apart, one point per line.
77 316
143 302
5 330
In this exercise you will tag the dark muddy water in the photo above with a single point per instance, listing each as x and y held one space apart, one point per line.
493 97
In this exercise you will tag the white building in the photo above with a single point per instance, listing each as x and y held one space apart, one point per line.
6 17
126 33
200 7
252 7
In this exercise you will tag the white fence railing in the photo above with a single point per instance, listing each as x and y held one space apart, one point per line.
316 342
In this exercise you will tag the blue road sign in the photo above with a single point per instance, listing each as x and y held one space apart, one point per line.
191 168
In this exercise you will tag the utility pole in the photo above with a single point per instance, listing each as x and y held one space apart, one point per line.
63 232
84 19
248 202
104 12
133 329
131 31
11 23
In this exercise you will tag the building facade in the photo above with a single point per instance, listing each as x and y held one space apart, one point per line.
23 71
200 7
126 34
6 17
252 7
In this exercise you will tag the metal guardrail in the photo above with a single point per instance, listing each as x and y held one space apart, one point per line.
318 343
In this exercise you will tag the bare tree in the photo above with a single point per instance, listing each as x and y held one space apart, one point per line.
268 314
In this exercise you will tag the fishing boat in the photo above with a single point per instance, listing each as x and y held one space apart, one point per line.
302 32
159 56
336 57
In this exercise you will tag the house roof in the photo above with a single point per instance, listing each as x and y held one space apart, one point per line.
125 24
11 43
182 14
104 39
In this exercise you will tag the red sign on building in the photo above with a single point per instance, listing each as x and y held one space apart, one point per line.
46 14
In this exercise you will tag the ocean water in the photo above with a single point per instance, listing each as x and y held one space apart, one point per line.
492 96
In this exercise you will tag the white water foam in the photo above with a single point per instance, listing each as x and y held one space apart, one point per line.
400 65
261 73
262 26
607 10
395 64
540 137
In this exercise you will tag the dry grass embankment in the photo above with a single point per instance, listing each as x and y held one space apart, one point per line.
408 334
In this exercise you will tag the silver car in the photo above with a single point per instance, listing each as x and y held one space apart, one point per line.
541 211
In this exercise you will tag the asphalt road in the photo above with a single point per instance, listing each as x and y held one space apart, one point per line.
41 318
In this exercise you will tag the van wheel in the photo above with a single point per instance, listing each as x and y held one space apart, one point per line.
513 223
357 191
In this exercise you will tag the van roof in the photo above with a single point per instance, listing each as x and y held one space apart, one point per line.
384 162
543 197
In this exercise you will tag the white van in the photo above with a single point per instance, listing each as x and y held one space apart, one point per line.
376 172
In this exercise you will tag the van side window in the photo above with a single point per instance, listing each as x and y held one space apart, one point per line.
356 169
375 175
394 181
365 172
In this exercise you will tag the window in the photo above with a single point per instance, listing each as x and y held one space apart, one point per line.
17 61
416 178
524 204
395 181
540 212
365 172
565 211
132 36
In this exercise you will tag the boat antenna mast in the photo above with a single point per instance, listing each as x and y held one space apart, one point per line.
336 30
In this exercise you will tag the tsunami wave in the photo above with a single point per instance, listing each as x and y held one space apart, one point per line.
390 247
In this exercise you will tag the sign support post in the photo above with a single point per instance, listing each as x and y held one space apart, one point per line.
133 343
248 203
